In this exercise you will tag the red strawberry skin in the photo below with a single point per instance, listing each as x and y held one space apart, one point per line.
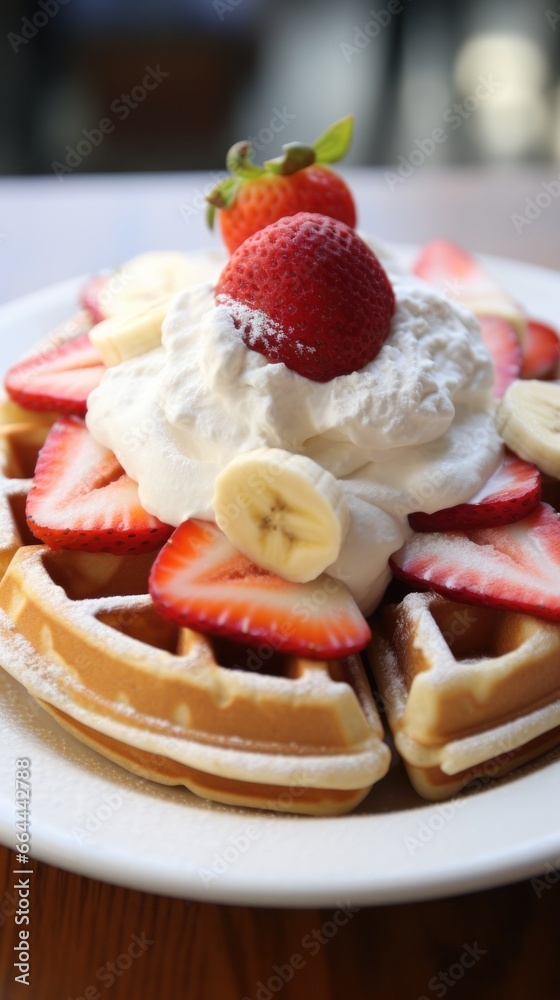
81 498
328 301
509 495
503 343
202 582
263 200
60 378
516 566
448 267
541 352
90 297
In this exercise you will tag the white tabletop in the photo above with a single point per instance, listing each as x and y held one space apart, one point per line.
51 228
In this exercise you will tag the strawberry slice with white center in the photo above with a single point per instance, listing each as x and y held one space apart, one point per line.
81 498
58 378
461 278
516 566
541 352
512 492
202 582
501 340
90 297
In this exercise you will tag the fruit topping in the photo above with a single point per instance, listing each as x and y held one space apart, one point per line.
512 492
92 297
460 277
143 280
298 181
59 378
284 511
528 419
501 340
541 352
81 498
125 336
516 566
202 582
308 292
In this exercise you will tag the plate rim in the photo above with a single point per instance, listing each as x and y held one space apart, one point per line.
516 861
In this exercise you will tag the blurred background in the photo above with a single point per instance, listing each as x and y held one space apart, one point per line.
134 85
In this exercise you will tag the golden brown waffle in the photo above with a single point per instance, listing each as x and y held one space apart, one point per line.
81 634
469 691
22 434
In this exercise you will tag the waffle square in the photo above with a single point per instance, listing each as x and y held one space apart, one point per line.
469 691
80 632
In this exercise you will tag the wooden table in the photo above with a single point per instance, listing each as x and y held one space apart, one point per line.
89 937
198 951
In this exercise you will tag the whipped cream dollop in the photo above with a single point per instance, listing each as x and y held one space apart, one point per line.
412 430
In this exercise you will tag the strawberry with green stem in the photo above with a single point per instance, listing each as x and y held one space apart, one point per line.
298 181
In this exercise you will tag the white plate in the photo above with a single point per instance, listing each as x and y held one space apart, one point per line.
91 817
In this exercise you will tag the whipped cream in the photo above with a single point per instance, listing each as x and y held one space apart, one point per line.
412 430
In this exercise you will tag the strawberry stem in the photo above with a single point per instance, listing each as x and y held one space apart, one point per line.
239 160
331 146
296 156
225 192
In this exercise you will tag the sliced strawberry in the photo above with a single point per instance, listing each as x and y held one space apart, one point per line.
516 566
502 342
89 297
59 378
448 267
201 581
541 353
462 278
81 498
512 492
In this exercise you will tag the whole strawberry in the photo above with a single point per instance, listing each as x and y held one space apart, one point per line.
298 181
308 292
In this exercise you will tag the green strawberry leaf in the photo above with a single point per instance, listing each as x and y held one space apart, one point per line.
333 144
210 215
224 193
239 160
296 156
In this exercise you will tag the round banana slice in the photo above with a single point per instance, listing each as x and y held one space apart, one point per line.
149 276
283 511
125 336
528 418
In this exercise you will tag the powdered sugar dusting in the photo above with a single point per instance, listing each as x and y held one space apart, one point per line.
412 430
257 329
76 686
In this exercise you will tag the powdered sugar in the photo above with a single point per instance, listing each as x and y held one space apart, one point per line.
257 328
418 413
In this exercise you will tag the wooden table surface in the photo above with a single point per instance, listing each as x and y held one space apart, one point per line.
88 937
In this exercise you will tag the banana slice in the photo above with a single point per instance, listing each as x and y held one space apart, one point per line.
283 511
528 418
123 337
149 276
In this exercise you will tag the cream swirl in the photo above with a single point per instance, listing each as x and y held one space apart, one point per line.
411 430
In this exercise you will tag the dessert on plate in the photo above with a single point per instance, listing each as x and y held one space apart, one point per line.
206 489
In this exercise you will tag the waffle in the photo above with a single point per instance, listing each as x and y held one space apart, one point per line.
80 632
469 691
21 436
